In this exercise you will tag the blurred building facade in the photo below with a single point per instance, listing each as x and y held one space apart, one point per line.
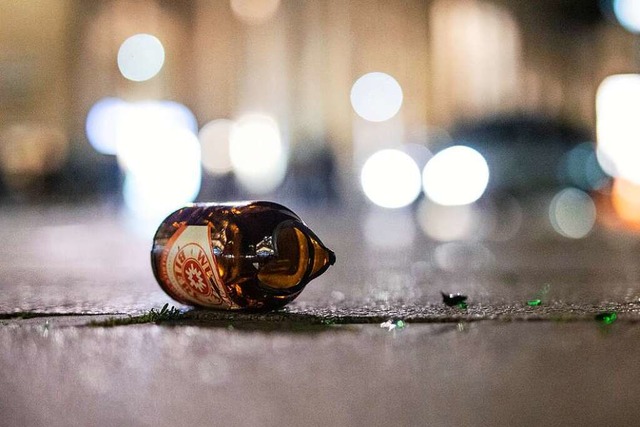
456 60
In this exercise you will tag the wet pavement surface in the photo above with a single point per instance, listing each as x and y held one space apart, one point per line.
483 373
324 360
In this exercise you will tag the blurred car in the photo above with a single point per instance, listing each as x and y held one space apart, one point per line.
529 153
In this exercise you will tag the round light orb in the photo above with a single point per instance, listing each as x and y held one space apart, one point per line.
376 97
628 14
625 198
457 175
140 125
391 179
389 229
582 169
447 223
165 176
101 125
618 127
214 144
572 213
140 57
257 154
254 11
176 114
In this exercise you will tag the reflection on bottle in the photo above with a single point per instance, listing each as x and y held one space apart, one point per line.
248 255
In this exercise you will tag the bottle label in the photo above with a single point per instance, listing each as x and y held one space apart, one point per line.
189 269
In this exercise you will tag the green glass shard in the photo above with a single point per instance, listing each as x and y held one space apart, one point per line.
607 317
534 302
453 300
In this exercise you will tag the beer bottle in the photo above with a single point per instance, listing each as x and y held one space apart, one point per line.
247 255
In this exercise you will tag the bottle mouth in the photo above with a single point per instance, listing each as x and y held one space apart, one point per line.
292 256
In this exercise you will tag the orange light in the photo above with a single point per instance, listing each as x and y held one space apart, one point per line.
625 197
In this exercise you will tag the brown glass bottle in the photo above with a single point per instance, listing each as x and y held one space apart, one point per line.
247 255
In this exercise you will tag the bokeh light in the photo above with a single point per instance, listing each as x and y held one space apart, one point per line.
618 127
165 176
156 147
625 197
376 97
457 175
390 179
140 57
580 168
254 11
113 124
139 125
214 144
389 229
257 154
448 223
102 123
572 213
628 14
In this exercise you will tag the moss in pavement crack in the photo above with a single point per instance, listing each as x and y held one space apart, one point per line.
165 314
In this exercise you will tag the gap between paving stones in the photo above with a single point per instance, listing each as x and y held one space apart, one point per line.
329 315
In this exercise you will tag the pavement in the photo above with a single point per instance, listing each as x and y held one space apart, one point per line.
368 343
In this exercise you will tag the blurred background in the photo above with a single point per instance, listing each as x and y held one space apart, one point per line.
485 135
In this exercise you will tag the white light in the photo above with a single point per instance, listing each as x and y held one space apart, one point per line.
140 57
385 229
447 223
175 113
618 126
254 11
572 213
141 124
113 123
157 148
376 97
102 122
628 14
214 143
391 179
457 175
257 155
166 176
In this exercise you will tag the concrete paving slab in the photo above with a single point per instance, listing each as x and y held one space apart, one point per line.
324 360
482 373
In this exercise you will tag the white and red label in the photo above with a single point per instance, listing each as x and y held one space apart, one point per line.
190 271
